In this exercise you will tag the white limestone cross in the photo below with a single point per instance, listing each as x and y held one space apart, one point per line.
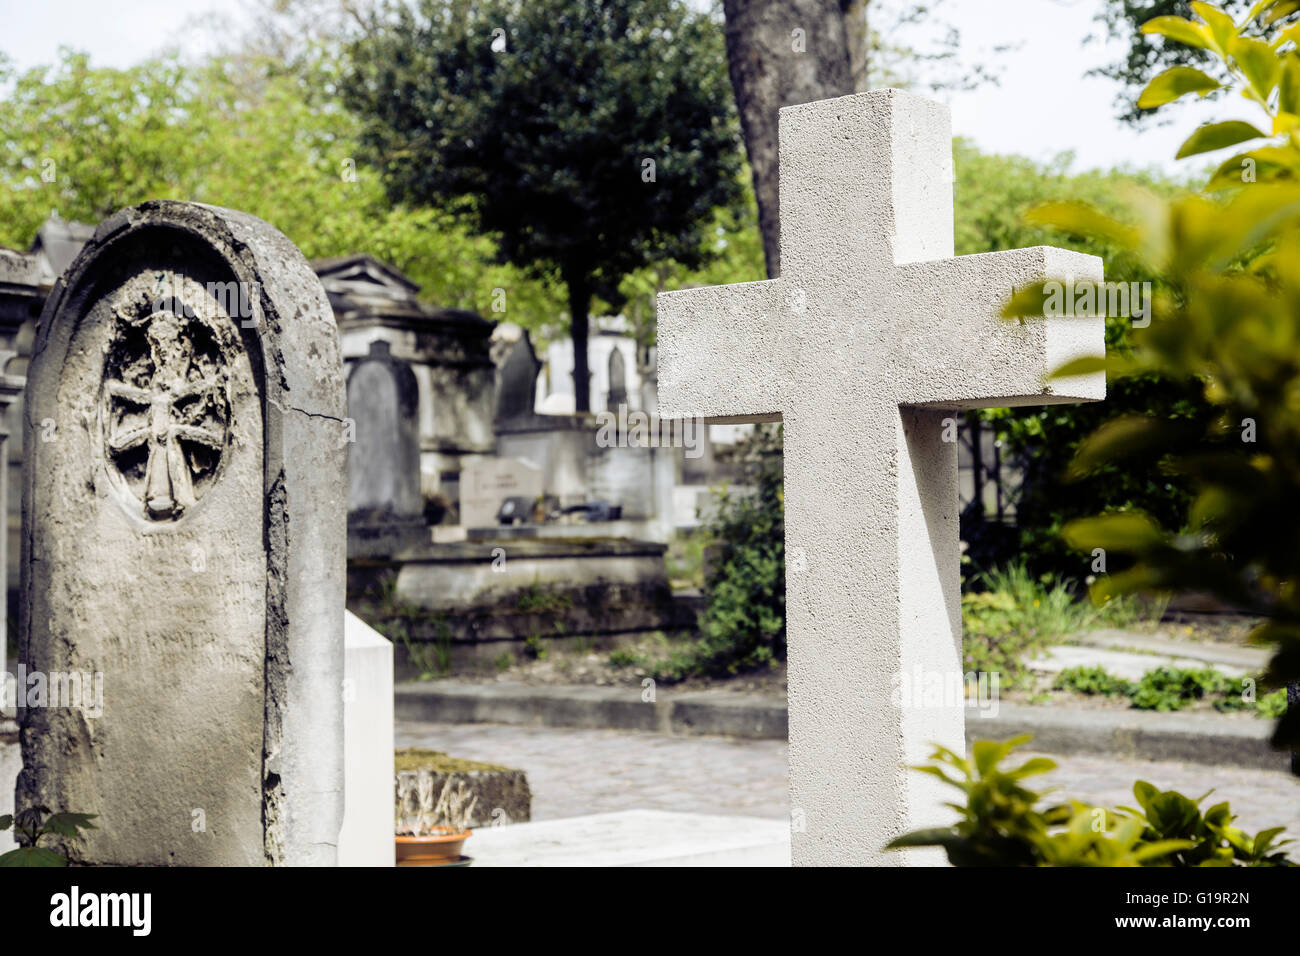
871 337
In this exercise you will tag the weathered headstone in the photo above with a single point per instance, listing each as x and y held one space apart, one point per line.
517 380
869 341
183 536
617 381
486 482
385 508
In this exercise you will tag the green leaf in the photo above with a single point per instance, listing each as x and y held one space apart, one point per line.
1259 63
69 824
1173 83
1082 219
6 821
1087 365
1263 841
1034 766
1277 9
937 836
1127 531
1027 303
32 856
1289 86
1150 851
1259 7
1222 29
1115 440
1214 136
1176 28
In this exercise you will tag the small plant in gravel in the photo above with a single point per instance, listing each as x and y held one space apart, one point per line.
621 657
1004 823
1171 688
1092 681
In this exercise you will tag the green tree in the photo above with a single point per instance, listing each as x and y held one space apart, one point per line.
1150 52
1226 322
589 139
86 141
993 194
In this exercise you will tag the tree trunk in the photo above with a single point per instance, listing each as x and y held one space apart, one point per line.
855 33
781 53
579 304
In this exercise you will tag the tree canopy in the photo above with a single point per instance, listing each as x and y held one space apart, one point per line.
85 141
590 140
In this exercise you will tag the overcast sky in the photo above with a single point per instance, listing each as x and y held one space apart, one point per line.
1043 105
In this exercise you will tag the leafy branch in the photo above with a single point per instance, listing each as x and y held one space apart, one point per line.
35 822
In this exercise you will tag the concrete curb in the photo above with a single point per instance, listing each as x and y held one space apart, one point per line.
593 708
1191 738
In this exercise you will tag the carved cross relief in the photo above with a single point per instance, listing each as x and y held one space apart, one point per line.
166 410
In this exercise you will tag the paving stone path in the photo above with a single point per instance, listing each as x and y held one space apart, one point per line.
577 772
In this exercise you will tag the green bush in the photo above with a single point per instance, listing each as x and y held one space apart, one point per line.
1011 615
1003 824
1171 688
1225 323
742 626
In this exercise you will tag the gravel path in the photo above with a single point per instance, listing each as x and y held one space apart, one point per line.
577 772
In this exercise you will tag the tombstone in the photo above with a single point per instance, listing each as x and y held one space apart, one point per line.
385 507
449 351
517 381
184 537
872 338
617 394
486 482
21 295
366 836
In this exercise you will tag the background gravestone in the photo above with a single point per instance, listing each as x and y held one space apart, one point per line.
184 536
487 482
517 380
385 508
617 381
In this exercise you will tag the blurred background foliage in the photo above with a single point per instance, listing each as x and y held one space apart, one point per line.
262 126
1226 324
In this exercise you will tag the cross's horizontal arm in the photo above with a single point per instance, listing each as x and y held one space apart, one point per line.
719 352
196 434
131 393
962 355
132 437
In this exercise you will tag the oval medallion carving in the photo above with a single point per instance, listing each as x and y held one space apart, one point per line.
166 407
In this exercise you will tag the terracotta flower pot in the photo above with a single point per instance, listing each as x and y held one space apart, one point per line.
436 849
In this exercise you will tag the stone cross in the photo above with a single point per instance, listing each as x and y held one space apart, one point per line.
184 534
866 346
168 486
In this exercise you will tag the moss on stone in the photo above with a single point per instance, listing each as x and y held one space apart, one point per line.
414 759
